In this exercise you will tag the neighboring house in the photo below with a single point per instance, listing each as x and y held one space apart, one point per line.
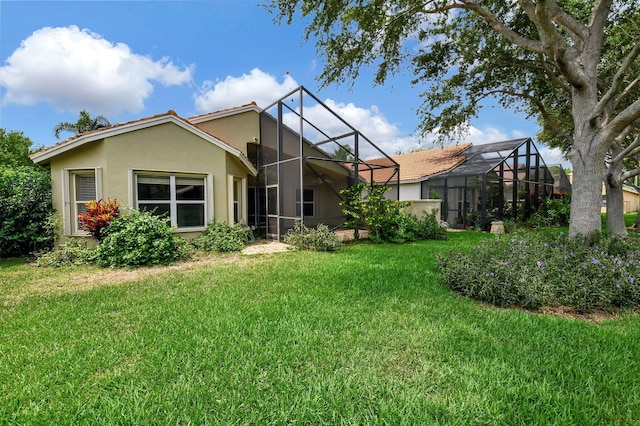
630 197
476 183
241 164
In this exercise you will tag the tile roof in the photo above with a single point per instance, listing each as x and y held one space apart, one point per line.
101 130
419 164
94 135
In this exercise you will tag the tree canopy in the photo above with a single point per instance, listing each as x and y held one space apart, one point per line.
573 64
84 124
15 148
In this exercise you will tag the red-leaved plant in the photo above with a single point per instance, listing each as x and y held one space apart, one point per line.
98 216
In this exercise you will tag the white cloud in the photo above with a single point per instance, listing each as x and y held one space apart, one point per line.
74 69
257 86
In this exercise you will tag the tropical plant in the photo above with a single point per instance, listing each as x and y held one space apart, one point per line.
84 124
99 215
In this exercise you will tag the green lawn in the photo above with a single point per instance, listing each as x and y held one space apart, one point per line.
367 335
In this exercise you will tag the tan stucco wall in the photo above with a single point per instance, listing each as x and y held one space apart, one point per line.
237 130
419 207
163 148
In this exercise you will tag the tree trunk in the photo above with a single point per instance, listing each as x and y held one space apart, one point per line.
586 196
615 198
615 208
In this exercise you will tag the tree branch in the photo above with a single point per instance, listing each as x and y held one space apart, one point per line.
630 148
525 43
545 115
575 29
617 81
626 91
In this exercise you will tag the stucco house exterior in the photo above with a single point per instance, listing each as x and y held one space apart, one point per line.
265 168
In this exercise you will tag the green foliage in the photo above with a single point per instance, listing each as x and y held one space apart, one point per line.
140 238
387 221
15 148
536 270
552 212
26 215
98 216
73 252
222 237
84 124
319 238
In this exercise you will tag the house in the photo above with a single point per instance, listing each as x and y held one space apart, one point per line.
476 184
265 168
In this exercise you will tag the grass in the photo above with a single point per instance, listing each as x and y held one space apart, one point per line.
367 335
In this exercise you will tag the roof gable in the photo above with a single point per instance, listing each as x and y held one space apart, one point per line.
118 129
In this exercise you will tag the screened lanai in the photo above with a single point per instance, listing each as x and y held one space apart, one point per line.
497 181
306 154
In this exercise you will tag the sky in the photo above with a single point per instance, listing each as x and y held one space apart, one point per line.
132 59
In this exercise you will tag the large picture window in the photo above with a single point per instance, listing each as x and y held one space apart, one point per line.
179 198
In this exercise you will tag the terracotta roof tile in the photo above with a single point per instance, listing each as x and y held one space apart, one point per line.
419 164
194 117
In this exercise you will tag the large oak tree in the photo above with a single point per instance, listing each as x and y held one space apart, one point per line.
545 57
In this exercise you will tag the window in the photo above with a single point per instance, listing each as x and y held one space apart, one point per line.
83 190
180 198
308 203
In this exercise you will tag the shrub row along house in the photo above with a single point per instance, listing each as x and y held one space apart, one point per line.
266 168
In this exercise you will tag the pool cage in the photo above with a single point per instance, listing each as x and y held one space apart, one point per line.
306 154
502 180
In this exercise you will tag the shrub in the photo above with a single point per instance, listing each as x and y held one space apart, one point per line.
74 251
26 215
552 212
320 238
535 270
140 238
386 220
98 216
222 237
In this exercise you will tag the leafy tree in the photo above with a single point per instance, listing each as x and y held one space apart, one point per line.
543 57
15 148
84 124
26 214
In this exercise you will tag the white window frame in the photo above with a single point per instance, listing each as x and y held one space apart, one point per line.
69 197
241 202
173 202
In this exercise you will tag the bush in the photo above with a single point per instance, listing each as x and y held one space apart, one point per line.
140 238
320 238
386 220
552 212
75 251
98 216
535 270
26 215
222 237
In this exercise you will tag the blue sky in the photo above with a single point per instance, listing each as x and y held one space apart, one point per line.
127 60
